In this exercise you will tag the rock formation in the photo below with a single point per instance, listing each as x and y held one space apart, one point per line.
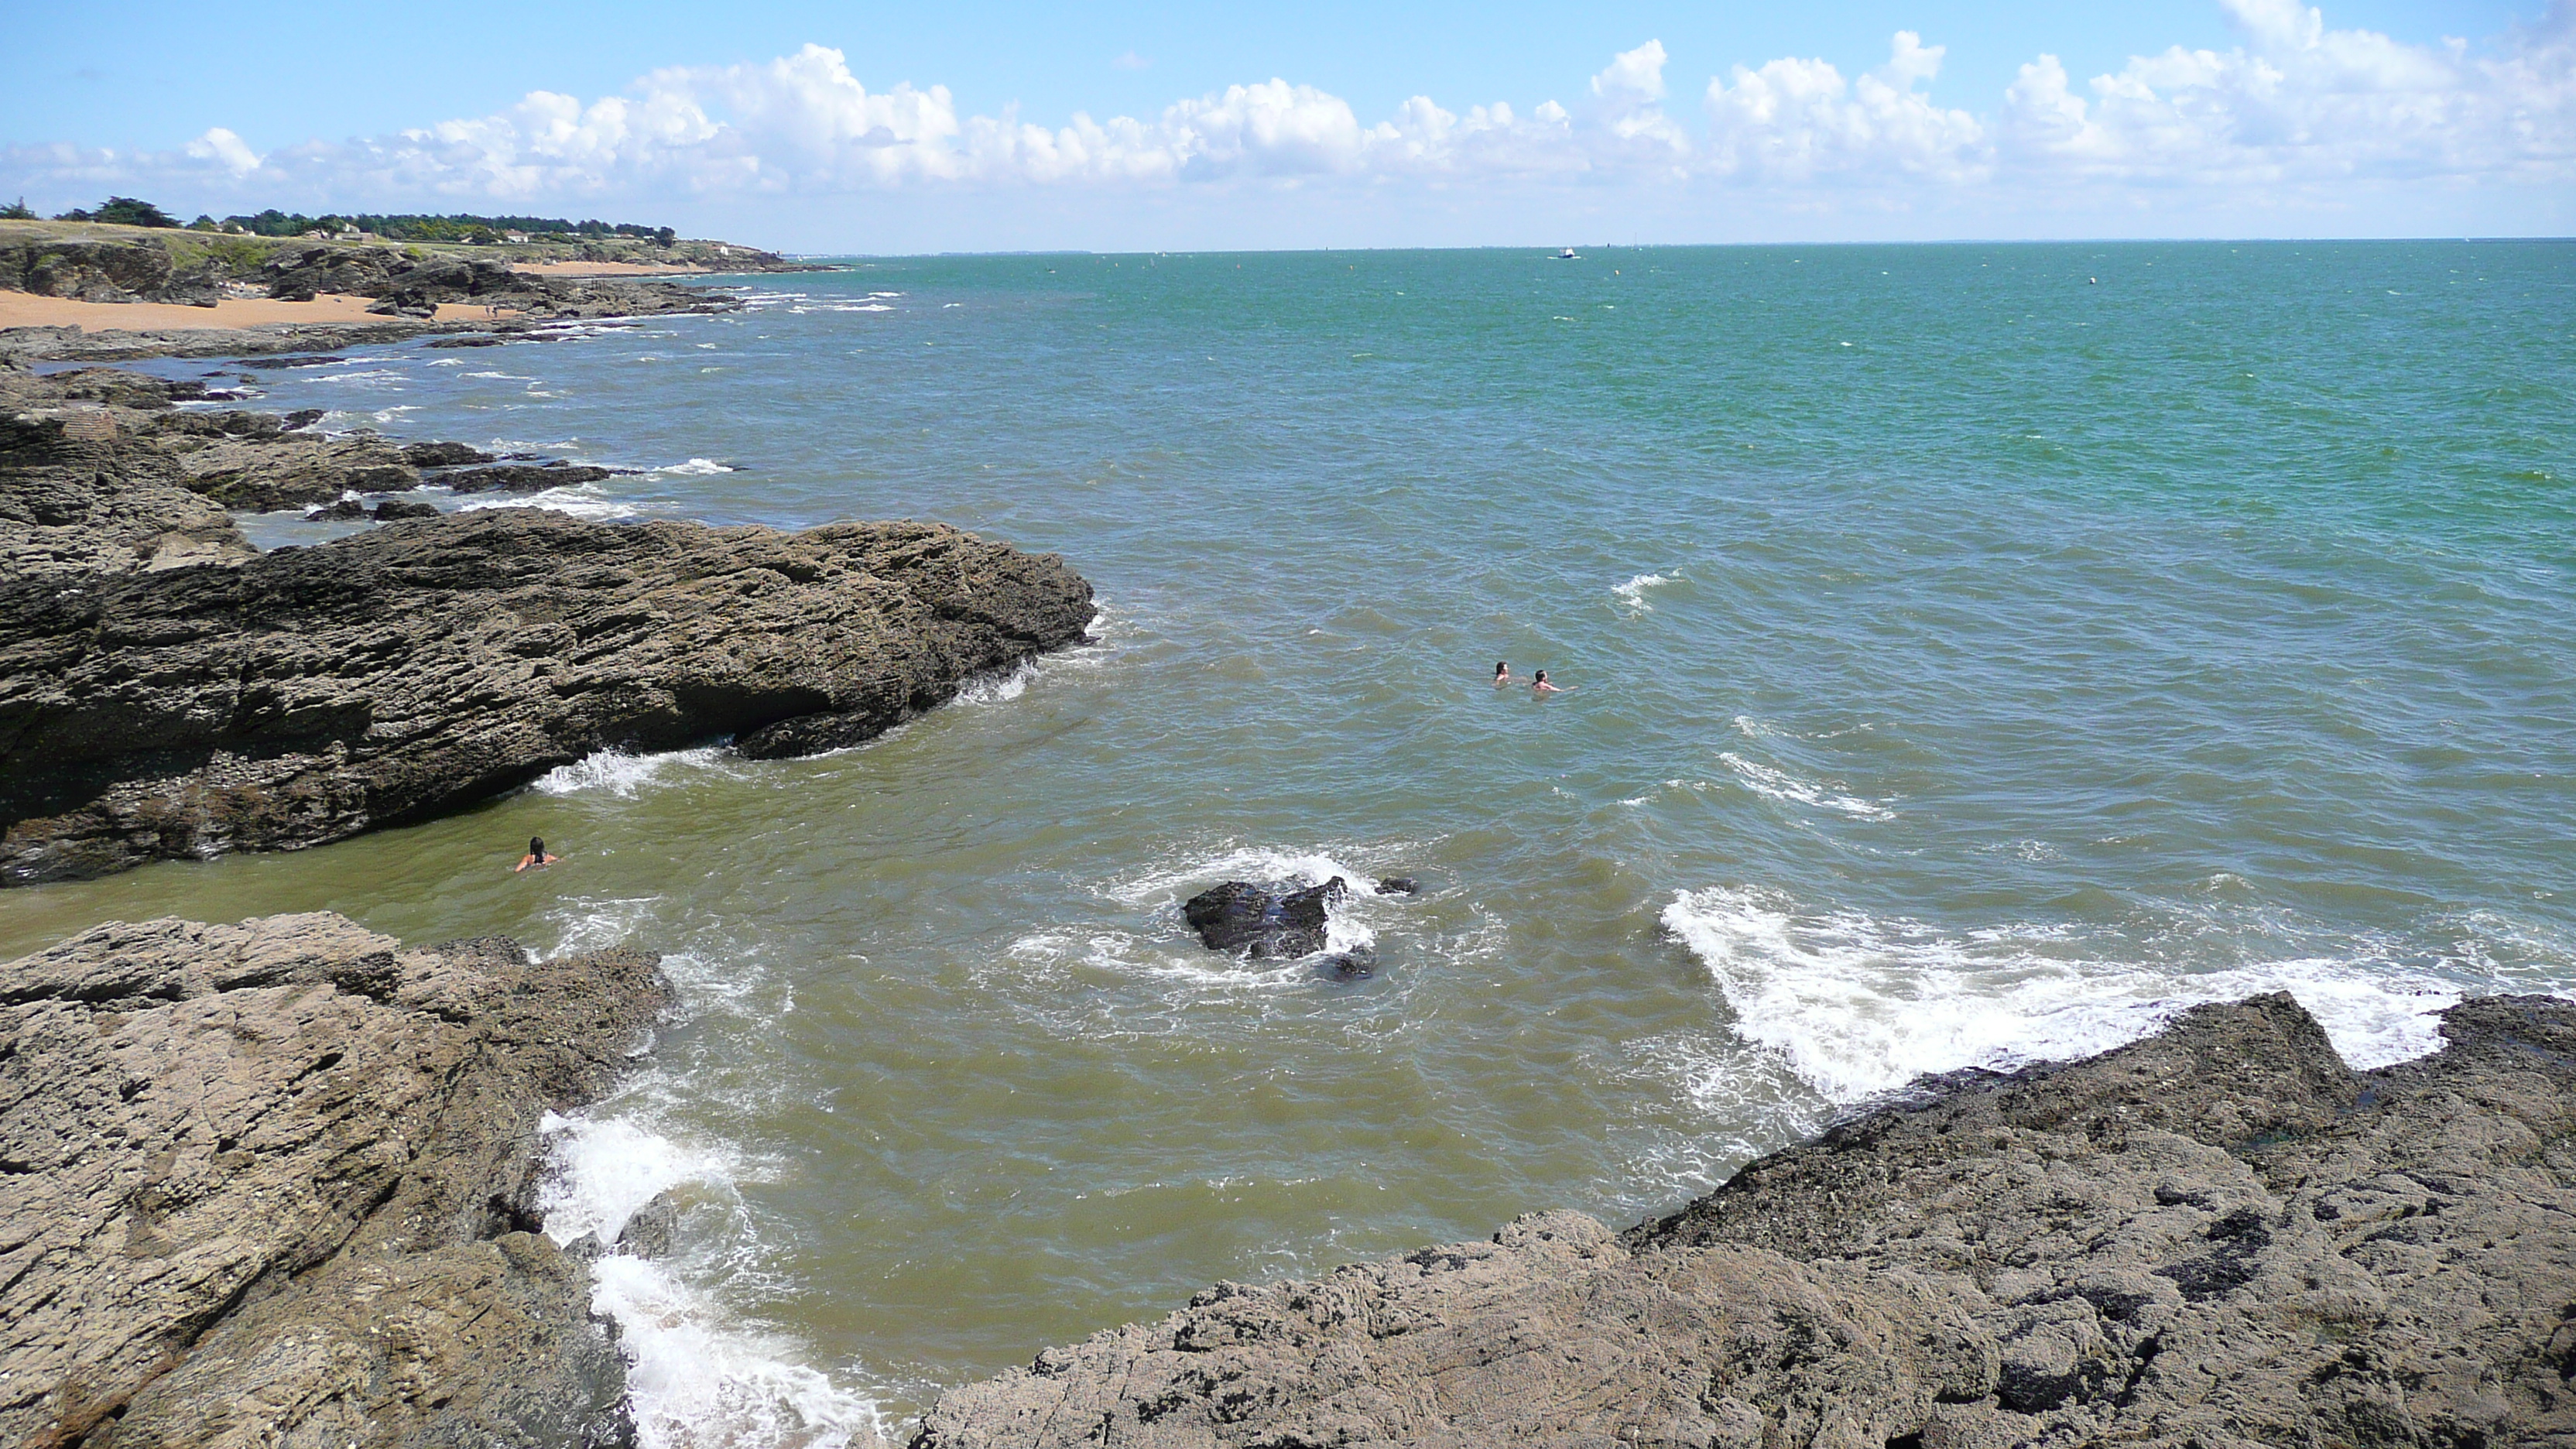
1265 922
2217 1236
300 696
274 1184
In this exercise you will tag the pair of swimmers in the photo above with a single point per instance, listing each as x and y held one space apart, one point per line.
1503 676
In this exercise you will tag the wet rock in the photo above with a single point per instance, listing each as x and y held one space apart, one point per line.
301 418
272 1182
305 695
292 470
472 339
1264 922
345 508
2218 1235
1399 885
273 364
1349 965
443 455
395 509
525 478
650 1232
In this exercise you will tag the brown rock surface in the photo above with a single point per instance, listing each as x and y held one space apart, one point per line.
2218 1236
166 691
271 1184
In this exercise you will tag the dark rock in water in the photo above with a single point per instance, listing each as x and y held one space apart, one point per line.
649 1233
305 695
282 1176
345 508
399 508
525 478
1399 885
302 418
303 360
444 455
1265 922
2218 1235
471 339
1350 965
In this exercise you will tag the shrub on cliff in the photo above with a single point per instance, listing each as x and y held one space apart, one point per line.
17 211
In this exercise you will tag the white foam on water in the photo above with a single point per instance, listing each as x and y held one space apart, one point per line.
1856 1005
879 296
1763 780
695 467
503 376
619 773
1001 686
697 1375
1632 594
581 500
862 307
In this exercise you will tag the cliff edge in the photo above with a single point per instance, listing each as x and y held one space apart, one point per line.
2217 1236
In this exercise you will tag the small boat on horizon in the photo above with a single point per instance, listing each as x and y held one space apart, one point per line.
1567 255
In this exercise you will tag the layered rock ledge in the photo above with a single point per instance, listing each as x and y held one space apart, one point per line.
2218 1236
167 691
275 1183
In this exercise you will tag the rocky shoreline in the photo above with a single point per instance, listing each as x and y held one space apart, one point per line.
277 1183
169 692
2220 1235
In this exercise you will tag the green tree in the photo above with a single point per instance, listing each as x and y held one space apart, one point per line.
123 211
17 211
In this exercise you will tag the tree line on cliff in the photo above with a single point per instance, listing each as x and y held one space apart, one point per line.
405 226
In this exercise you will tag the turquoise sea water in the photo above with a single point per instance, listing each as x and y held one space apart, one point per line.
1978 653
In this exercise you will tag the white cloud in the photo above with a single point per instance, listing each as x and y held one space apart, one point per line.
226 149
2295 102
1798 120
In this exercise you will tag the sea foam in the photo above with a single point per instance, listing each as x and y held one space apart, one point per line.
1856 1005
1632 594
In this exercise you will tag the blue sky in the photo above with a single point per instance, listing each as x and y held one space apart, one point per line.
825 127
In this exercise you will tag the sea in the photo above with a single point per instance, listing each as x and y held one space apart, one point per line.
1974 655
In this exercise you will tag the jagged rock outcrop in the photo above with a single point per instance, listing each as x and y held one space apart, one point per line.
2217 1236
1277 922
303 695
274 1184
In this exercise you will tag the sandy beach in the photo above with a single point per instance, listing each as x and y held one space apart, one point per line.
25 309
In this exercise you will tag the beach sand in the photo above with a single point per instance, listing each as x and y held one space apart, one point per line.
25 309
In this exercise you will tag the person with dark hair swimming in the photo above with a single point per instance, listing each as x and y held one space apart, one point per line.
536 855
1502 674
1541 686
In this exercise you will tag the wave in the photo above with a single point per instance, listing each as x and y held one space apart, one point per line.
695 467
1632 594
619 773
1856 1005
999 686
696 1373
1763 780
581 500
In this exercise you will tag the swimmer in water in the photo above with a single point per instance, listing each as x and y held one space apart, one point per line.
1541 686
536 855
1502 674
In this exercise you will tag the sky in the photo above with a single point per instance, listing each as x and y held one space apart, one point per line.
985 126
